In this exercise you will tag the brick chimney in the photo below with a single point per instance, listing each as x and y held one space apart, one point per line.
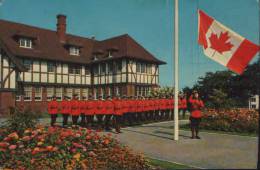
61 27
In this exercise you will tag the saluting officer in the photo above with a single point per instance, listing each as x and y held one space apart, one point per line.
65 110
195 118
53 110
75 109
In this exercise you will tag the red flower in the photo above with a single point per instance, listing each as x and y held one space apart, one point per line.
12 147
26 138
4 144
88 137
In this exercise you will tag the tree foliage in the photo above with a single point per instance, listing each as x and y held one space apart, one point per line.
225 85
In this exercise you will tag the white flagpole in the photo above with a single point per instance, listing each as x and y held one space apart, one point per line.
176 70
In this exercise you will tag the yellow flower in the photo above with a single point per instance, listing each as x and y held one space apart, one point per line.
77 156
39 143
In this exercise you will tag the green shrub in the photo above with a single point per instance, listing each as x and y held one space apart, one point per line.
19 121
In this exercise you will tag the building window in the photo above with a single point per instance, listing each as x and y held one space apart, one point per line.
69 93
138 67
87 71
103 68
50 93
77 92
118 91
119 66
18 97
143 68
84 94
59 94
95 70
74 51
38 94
253 99
149 68
28 65
110 67
95 94
74 70
25 42
27 94
50 67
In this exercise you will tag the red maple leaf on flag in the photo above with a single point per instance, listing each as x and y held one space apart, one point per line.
220 43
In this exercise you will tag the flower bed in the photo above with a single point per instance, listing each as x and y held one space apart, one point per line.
59 148
231 120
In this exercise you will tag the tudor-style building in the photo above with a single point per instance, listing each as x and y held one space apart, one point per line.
36 63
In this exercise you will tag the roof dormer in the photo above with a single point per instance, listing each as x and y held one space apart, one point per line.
74 50
25 42
97 54
111 50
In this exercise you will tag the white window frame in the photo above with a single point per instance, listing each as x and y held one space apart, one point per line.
28 64
27 93
25 43
74 51
50 93
38 94
77 92
49 65
58 93
18 98
69 92
85 94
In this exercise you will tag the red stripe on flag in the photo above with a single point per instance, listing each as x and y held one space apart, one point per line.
204 23
242 56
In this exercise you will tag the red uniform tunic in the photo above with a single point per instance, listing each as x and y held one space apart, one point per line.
172 103
65 107
82 106
125 106
109 107
130 106
196 106
118 107
75 107
100 107
183 103
53 107
140 105
90 107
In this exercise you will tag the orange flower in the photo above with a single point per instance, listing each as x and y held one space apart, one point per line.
106 141
77 156
35 150
14 136
49 148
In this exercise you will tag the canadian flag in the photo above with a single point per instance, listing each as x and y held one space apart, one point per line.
224 45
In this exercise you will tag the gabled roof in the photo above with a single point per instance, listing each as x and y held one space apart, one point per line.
46 45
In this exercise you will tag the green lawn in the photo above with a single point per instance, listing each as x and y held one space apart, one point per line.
164 165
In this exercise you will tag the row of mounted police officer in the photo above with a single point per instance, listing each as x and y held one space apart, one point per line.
131 109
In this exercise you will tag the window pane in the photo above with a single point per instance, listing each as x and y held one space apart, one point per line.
38 94
50 93
138 67
28 65
59 94
87 72
69 93
50 67
27 93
